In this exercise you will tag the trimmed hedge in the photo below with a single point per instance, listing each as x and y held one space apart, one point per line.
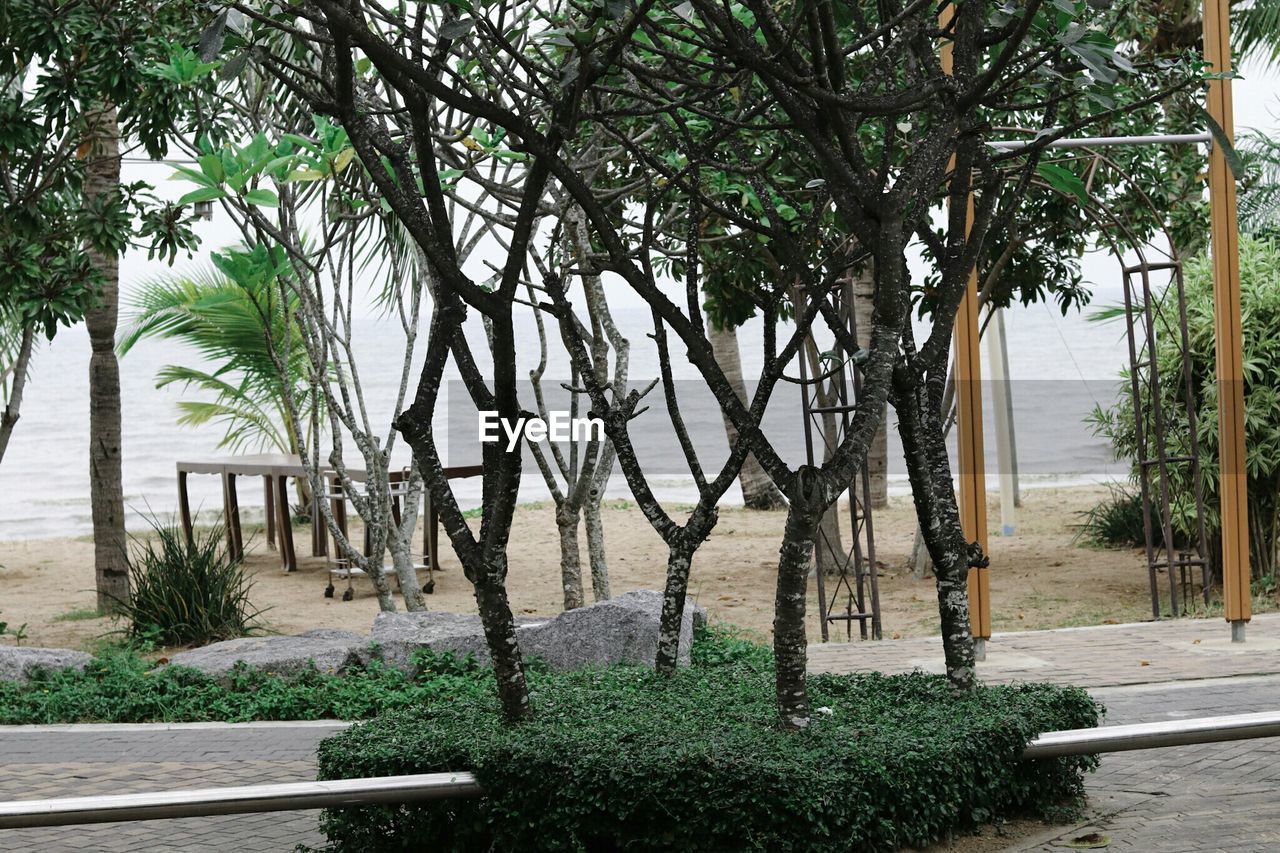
119 686
622 759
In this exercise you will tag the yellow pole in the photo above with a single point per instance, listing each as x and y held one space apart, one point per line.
968 384
1225 246
969 443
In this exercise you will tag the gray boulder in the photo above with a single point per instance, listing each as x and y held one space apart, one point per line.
397 636
620 630
332 651
18 663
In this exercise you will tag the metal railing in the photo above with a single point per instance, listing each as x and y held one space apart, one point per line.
297 796
1155 735
289 796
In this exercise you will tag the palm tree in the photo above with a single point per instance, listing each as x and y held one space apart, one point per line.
1260 189
106 477
247 332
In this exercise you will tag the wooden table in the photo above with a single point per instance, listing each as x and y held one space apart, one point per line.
276 469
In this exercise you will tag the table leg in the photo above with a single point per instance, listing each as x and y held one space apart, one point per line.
269 496
184 505
284 524
231 505
339 506
319 535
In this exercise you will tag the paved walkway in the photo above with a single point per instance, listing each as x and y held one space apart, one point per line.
61 761
1212 797
1183 799
1105 656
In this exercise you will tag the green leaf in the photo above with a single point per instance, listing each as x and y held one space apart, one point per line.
1229 153
262 198
202 194
1063 180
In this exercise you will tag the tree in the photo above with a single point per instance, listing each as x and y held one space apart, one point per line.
882 126
66 216
236 327
106 477
758 491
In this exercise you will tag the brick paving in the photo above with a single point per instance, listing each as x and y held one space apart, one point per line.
1203 798
1210 797
1105 656
38 762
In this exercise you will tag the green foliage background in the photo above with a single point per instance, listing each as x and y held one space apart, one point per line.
1260 317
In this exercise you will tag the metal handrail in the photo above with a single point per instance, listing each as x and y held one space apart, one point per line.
289 796
1155 735
1104 141
297 796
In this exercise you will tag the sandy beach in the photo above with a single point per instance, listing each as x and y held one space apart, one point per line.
1041 577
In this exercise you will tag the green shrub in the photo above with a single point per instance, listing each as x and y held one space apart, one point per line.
186 593
1116 522
119 686
1260 319
622 759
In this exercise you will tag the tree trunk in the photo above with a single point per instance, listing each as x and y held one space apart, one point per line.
106 485
21 367
567 521
500 635
679 560
758 489
864 294
929 469
790 645
595 547
406 574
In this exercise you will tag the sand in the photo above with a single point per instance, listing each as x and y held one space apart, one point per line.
1041 577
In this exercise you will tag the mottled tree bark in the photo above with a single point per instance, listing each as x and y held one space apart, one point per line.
679 559
500 636
929 469
595 546
106 484
864 295
568 520
758 489
790 644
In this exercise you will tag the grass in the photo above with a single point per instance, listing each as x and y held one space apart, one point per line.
81 615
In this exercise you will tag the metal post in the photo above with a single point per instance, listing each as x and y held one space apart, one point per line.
1002 402
1225 250
1104 141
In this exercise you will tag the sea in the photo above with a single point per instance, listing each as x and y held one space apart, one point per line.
1060 368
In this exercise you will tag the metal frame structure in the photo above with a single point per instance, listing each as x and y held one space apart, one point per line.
830 387
298 796
1224 249
1147 321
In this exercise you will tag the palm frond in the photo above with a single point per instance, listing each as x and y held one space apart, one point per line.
243 330
1256 29
1260 190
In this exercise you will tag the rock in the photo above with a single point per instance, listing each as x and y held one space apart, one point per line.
620 630
699 614
18 663
331 650
396 636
